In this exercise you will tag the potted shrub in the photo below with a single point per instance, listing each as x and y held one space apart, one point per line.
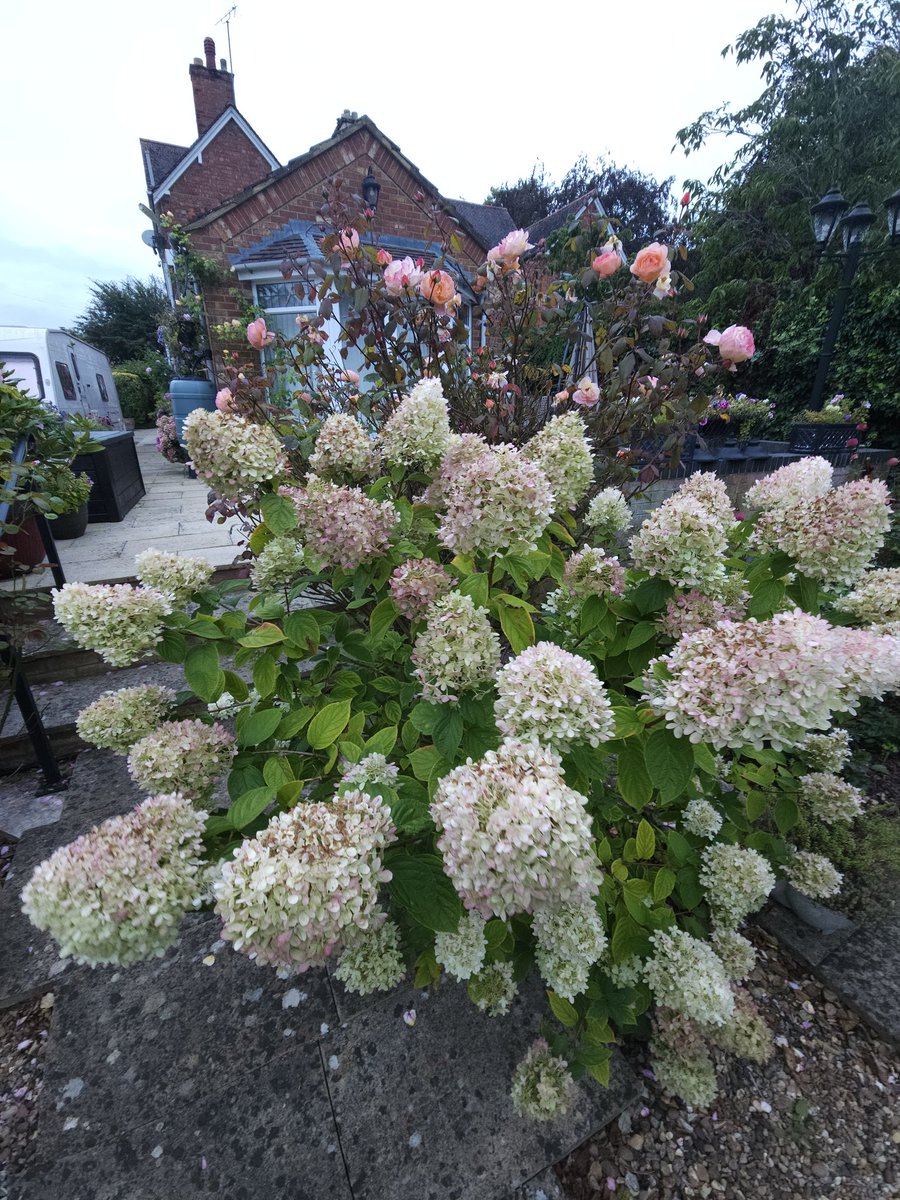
831 427
72 492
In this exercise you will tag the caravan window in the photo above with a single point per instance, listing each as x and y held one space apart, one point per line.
26 372
101 384
65 378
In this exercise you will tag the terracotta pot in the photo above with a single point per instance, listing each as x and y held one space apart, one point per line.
28 549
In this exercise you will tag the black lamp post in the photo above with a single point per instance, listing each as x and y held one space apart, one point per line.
371 190
827 215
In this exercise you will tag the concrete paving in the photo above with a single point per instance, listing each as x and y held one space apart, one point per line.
171 516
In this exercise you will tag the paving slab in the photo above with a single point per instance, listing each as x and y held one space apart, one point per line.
865 972
268 1135
131 1045
809 945
543 1187
425 1111
25 804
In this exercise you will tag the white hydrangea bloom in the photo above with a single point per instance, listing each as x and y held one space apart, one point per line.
701 819
570 939
548 695
830 798
738 955
118 719
233 455
608 514
373 769
498 502
692 1079
457 651
737 881
118 893
563 451
307 883
875 600
417 433
685 974
462 953
343 449
790 485
826 751
814 875
627 973
186 756
493 989
119 622
177 575
542 1087
683 542
374 962
709 490
514 836
278 565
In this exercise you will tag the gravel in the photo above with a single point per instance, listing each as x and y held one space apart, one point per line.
819 1120
23 1038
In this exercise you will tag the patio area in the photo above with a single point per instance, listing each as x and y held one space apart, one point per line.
171 517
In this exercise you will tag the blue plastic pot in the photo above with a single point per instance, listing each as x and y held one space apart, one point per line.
188 394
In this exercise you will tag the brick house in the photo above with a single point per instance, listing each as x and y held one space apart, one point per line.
248 212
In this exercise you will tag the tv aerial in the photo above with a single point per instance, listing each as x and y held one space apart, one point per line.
226 21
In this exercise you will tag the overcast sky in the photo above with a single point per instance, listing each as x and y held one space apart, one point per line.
473 93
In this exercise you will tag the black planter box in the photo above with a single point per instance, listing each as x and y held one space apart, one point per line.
820 436
118 483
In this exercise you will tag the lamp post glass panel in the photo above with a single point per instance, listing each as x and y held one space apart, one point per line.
371 189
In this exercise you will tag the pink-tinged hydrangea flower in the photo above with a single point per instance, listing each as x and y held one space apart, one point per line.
499 502
735 344
826 751
830 798
683 542
510 248
738 955
548 695
751 682
373 962
416 584
875 600
593 572
686 975
119 622
608 514
814 875
341 525
737 880
233 455
746 1035
308 883
804 480
871 664
179 576
710 491
118 893
691 1077
278 565
116 720
258 336
651 262
462 953
458 651
542 1086
463 450
562 450
514 836
401 275
689 612
832 538
343 449
182 756
417 433
570 939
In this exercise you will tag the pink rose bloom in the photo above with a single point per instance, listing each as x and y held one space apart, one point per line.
224 400
438 288
510 247
401 275
351 376
561 397
651 262
606 264
735 344
347 243
384 258
258 336
587 394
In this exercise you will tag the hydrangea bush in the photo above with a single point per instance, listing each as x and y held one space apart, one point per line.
469 743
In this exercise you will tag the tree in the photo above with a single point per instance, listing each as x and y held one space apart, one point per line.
641 203
122 317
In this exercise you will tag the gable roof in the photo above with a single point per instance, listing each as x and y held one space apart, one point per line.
563 216
159 159
490 221
194 152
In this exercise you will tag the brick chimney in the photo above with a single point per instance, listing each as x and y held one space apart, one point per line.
213 87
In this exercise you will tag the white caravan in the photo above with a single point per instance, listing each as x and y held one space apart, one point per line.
61 370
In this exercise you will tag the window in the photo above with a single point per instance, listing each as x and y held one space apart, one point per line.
101 384
65 378
26 372
75 365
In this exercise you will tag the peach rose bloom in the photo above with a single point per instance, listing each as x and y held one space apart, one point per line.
258 336
651 262
510 247
347 242
437 287
736 343
587 393
224 400
606 264
384 258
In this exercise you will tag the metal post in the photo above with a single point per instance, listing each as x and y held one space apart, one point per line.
851 262
31 717
49 543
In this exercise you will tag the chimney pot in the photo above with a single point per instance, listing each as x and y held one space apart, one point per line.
209 49
223 64
198 62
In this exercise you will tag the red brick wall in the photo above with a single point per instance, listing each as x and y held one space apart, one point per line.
230 163
213 92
